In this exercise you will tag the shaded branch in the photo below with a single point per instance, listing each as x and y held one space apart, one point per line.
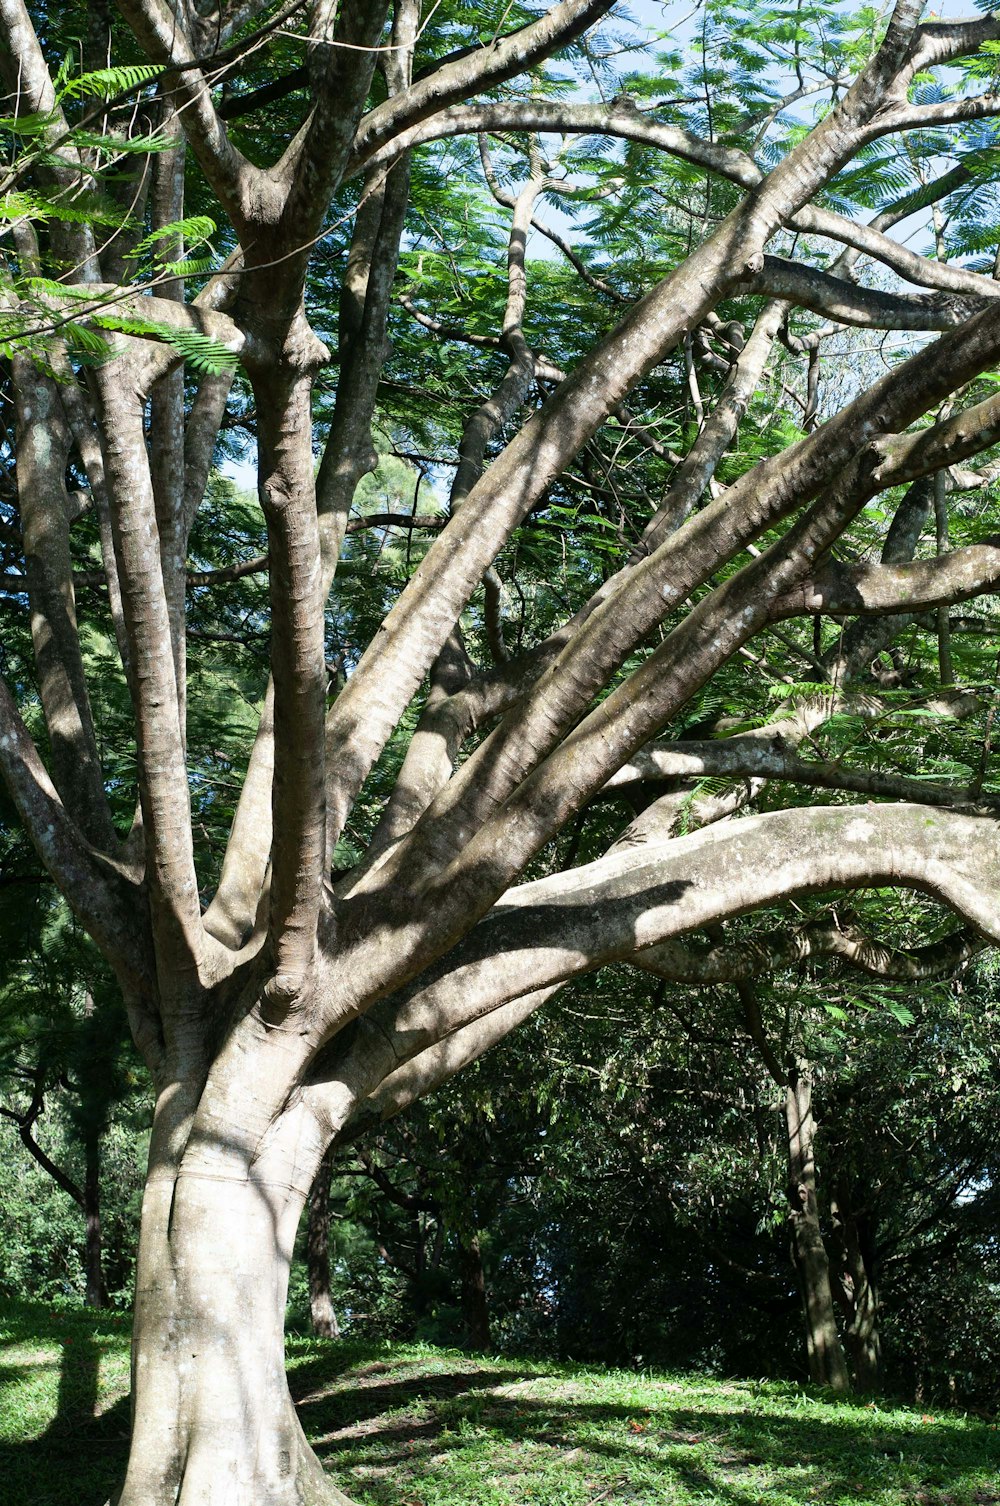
745 961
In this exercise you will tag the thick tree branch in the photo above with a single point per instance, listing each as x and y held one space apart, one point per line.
628 123
745 961
247 192
298 670
865 308
878 590
162 769
759 756
106 904
696 470
713 630
43 444
481 69
27 79
553 929
343 49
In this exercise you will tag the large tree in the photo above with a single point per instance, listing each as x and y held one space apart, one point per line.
286 1000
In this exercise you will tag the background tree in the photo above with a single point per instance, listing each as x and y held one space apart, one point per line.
69 1082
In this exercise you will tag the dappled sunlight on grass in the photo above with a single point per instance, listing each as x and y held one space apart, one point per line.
428 1427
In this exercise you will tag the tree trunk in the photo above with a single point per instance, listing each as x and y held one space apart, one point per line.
861 1334
475 1309
827 1366
213 1420
864 1347
324 1319
97 1295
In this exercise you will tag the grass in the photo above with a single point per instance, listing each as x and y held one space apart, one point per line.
405 1425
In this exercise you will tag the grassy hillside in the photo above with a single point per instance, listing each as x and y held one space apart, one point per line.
414 1426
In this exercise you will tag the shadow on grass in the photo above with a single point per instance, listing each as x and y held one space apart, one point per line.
741 1457
80 1457
389 1428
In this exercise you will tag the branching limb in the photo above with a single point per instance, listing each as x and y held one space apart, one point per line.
744 961
43 443
27 78
365 296
919 586
556 928
772 757
728 162
428 607
241 187
478 70
25 1127
431 747
865 308
861 641
162 769
698 467
166 412
344 37
428 1070
715 628
105 903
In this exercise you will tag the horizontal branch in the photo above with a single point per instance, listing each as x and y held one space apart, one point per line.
758 756
548 931
877 590
622 119
745 961
866 308
109 305
479 69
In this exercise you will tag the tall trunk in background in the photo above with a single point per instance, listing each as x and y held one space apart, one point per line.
475 1309
97 1295
827 1365
324 1319
859 1295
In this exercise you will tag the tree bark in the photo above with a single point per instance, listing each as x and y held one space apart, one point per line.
324 1319
827 1366
475 1308
213 1420
862 1339
863 1342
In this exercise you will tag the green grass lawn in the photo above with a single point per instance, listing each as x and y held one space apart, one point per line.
414 1426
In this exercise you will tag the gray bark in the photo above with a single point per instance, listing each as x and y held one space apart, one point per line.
827 1366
